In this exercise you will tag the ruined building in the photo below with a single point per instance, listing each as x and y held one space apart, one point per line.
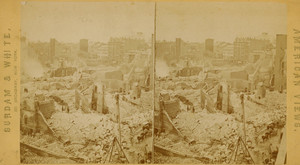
34 112
280 62
90 99
63 71
189 71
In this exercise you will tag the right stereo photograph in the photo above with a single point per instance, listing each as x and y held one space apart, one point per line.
220 83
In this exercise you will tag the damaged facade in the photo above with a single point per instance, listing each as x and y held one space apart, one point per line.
34 113
90 99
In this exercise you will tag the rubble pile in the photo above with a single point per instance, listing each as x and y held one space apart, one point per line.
77 126
86 136
215 133
161 159
180 83
66 95
174 143
127 109
193 96
28 157
89 135
44 141
204 126
147 101
77 106
138 118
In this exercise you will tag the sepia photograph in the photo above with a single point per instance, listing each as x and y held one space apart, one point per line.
86 90
220 83
153 82
150 82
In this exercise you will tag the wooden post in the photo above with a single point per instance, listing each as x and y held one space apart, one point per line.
228 100
120 146
244 117
94 101
153 79
36 114
118 118
161 112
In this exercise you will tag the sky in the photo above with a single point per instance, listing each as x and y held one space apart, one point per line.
222 21
191 21
96 21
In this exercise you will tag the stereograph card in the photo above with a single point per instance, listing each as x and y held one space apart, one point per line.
150 82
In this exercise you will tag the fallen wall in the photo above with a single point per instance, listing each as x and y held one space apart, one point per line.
42 124
207 102
163 121
82 102
172 107
47 108
28 121
34 122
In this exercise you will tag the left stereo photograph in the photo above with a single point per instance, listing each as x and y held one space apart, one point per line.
86 82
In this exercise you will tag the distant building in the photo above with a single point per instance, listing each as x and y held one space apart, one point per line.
280 62
223 49
115 48
228 50
59 50
34 112
90 98
192 49
63 71
165 48
100 49
243 46
119 46
209 45
39 51
179 47
84 45
52 48
241 49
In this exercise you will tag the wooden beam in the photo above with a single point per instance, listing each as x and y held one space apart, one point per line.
281 155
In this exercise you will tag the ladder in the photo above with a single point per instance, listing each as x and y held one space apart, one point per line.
241 154
120 157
